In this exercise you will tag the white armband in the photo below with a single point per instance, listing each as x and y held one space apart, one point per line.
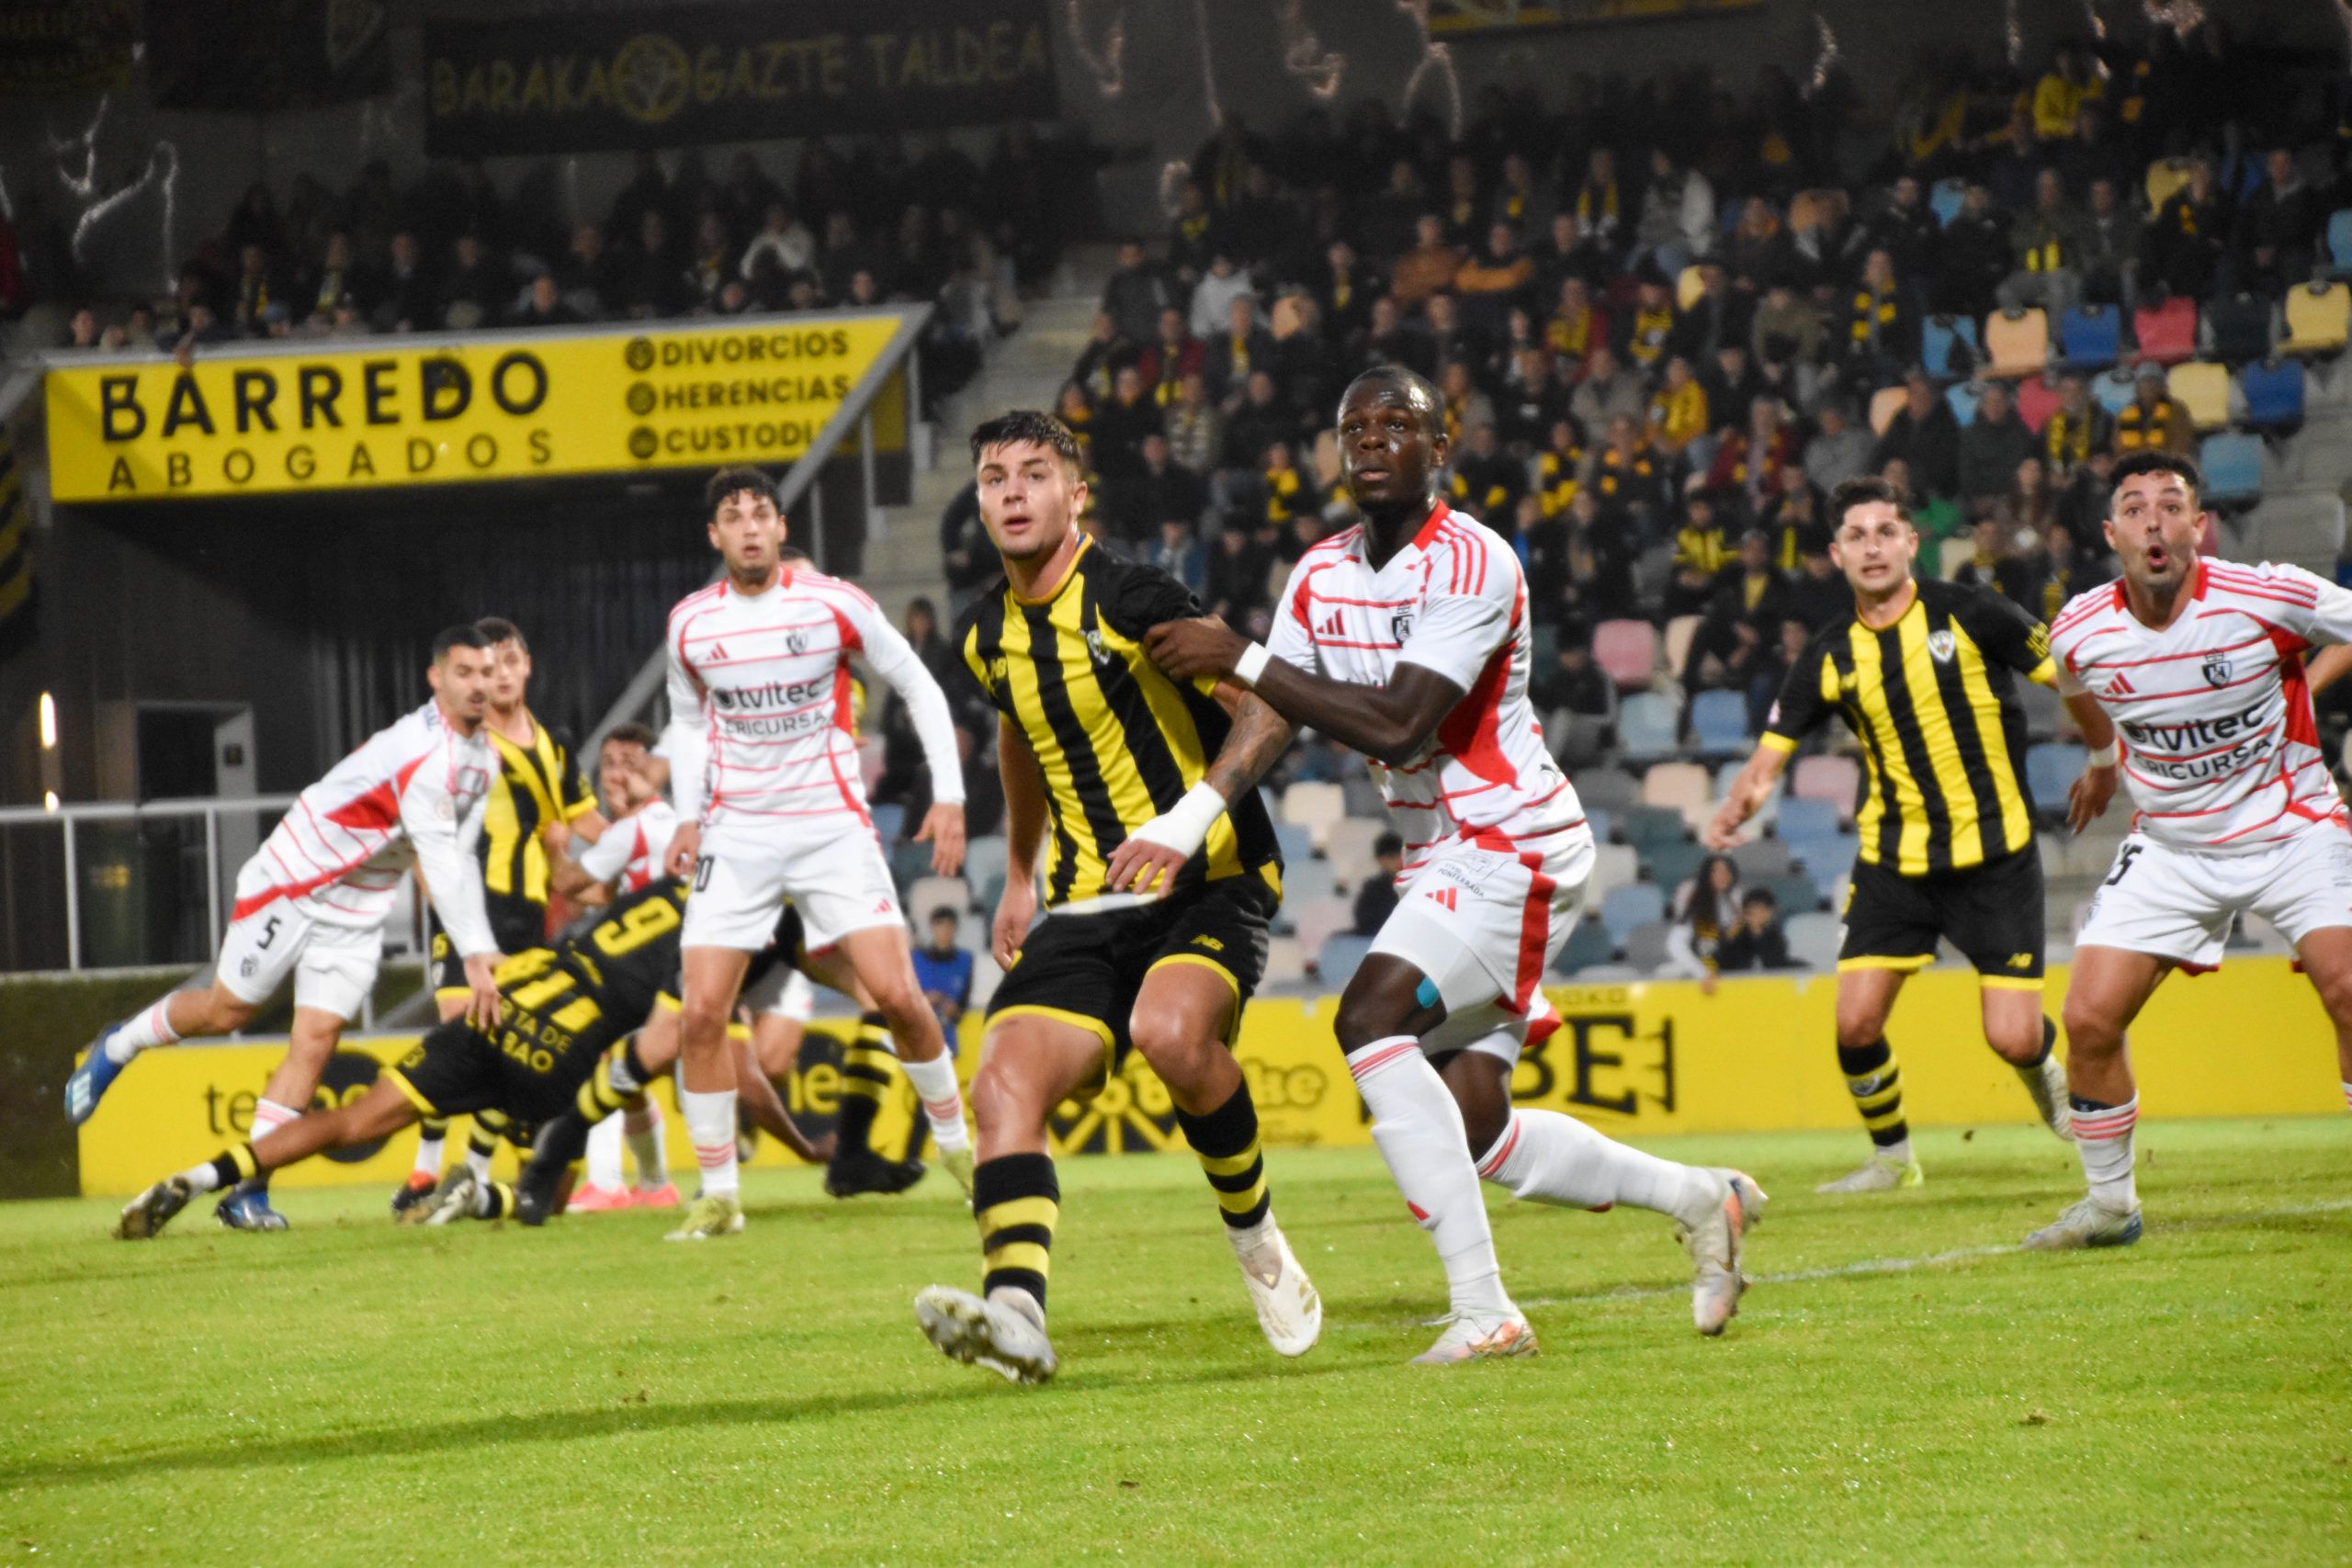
2105 756
1247 670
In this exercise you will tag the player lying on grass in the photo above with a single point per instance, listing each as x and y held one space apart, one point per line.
562 1007
2199 665
1407 638
313 901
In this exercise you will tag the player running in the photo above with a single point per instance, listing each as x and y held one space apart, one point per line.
1162 879
2199 664
1924 673
311 903
765 774
538 801
1407 638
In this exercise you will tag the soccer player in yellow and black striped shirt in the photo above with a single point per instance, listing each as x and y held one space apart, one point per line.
1161 875
1924 674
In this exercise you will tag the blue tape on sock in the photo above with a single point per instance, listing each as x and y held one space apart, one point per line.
1426 993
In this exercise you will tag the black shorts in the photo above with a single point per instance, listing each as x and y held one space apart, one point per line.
456 1070
1992 913
1088 969
516 926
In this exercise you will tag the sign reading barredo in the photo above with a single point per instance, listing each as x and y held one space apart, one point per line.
488 406
645 75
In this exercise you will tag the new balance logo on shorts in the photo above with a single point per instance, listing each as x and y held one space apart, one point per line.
1210 942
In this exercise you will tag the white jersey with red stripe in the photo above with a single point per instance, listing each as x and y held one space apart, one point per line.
2219 747
1453 599
760 723
630 853
411 796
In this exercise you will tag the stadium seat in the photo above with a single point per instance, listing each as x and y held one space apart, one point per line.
1286 962
1678 633
2273 391
2045 709
1349 848
1814 940
2050 770
1671 865
2037 400
1614 866
1363 798
1317 920
1684 787
1612 789
984 860
1940 337
1796 893
1309 878
2203 389
2319 315
1830 779
910 864
2339 242
1809 817
1296 844
1646 727
890 822
1628 906
1601 823
1587 945
2016 342
1885 403
2165 177
2167 332
1962 396
1314 806
1645 946
2232 465
1689 284
1760 860
1627 652
931 892
1719 724
1946 199
1954 554
2090 337
1644 827
1337 960
2239 327
2113 390
1827 860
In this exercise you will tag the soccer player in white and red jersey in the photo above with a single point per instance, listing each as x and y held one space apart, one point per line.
1407 638
2200 665
765 772
313 901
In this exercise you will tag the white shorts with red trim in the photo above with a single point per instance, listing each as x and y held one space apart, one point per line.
2178 905
334 965
832 869
1480 918
783 992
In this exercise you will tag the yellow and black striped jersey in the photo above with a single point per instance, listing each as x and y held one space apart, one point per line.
599 981
536 783
1933 699
1118 741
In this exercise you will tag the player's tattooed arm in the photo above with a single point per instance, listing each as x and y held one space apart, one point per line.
1390 724
1257 741
1153 856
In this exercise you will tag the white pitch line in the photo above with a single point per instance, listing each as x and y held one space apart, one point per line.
1932 1260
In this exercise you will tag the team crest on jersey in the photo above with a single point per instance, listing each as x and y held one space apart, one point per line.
1400 624
2216 669
795 642
1941 646
1097 647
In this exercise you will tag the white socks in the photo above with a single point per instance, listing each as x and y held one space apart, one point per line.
269 1116
428 1154
478 1161
1552 1159
642 1129
934 1084
710 1126
1418 1130
2103 1137
153 1026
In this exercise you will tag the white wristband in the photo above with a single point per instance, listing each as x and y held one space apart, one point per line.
1247 668
1184 827
2105 756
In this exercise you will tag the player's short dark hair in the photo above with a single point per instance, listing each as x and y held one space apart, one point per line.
1028 426
1862 490
793 555
1401 376
496 629
456 636
739 479
2152 460
631 733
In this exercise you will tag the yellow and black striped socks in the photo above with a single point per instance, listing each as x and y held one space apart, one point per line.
225 1169
1876 1084
1016 1199
481 1142
868 1066
1226 1142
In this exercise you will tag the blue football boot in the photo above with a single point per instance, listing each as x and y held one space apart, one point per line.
92 1078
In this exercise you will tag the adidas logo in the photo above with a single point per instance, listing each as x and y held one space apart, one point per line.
719 650
1333 625
1446 896
2119 687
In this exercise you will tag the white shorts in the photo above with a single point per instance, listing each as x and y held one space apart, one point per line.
836 877
1482 918
783 992
2178 905
334 965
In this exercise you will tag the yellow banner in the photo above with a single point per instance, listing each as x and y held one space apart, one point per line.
1634 1060
498 406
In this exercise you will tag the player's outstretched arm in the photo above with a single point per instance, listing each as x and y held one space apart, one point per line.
1024 832
1154 854
1749 793
1390 724
2088 797
2327 667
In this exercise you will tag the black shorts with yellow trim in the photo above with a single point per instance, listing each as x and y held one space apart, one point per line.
515 924
1088 970
457 1070
1992 913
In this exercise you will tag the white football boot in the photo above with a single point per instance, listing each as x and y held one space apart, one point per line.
996 1333
1288 1308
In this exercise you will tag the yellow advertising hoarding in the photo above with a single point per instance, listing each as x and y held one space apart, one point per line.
1634 1060
386 412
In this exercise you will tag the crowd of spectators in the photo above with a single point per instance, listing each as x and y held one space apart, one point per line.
882 220
1658 316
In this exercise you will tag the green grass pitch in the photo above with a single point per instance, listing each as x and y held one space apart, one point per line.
1901 1383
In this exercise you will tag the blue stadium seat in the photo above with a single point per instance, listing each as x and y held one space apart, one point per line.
1601 822
1795 893
1939 335
2113 390
2232 465
2274 394
2090 337
1826 859
1341 956
1802 818
1668 865
2050 770
1587 945
1719 724
1646 727
1961 395
2339 242
887 822
1297 843
1646 826
1945 199
1630 906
